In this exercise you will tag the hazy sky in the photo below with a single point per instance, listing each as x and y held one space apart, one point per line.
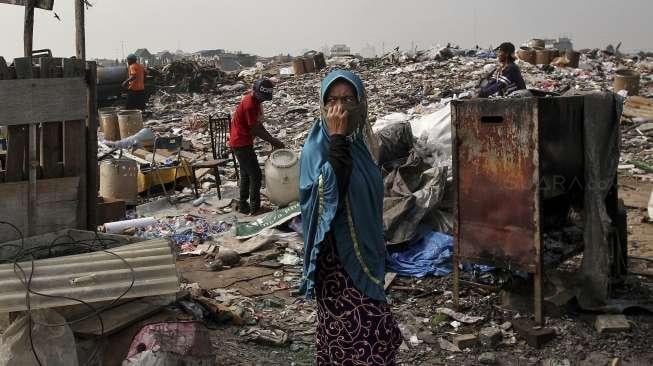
288 26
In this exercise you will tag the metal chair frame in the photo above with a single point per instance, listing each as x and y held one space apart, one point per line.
219 134
167 143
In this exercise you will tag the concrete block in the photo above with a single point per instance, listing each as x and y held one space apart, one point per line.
611 323
533 335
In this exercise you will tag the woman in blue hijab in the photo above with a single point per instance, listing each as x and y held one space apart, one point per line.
341 197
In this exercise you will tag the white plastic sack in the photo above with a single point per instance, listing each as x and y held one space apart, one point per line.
388 120
286 71
435 129
55 346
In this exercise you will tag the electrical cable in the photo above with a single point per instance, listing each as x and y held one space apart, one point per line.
27 281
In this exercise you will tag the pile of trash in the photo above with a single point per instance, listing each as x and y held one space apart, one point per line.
190 77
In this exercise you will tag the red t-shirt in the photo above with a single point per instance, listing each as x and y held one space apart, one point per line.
244 118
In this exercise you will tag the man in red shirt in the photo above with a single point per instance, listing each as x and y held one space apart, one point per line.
245 125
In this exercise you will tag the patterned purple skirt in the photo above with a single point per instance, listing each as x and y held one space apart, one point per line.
352 329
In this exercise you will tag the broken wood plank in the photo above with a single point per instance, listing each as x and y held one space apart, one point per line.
43 100
17 154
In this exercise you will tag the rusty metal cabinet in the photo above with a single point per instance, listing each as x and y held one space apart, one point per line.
509 157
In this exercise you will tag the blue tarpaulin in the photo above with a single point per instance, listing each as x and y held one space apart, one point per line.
430 255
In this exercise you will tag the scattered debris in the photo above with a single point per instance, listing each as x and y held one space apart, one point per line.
468 319
274 337
490 336
448 346
465 341
487 358
171 344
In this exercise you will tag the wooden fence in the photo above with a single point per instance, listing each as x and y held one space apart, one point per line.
48 179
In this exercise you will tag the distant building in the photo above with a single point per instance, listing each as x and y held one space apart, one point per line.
340 50
145 57
368 51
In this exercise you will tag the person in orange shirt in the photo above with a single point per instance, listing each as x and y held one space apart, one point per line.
135 84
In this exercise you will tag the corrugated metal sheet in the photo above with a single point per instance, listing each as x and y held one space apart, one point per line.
92 277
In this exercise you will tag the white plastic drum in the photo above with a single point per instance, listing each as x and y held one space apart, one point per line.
119 179
282 177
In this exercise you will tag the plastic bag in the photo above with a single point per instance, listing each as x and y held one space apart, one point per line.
53 345
395 142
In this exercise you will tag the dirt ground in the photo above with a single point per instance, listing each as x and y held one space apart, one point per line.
414 302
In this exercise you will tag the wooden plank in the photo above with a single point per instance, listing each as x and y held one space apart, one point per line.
48 67
73 68
90 184
55 207
5 74
33 171
17 158
24 69
50 144
42 100
13 209
41 4
73 149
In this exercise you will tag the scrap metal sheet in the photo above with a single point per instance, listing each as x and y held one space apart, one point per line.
496 166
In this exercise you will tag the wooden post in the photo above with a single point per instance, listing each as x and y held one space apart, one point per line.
28 34
28 41
92 183
80 34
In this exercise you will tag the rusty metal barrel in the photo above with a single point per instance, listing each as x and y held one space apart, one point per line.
573 57
526 54
320 61
298 66
309 65
542 57
129 122
109 123
626 79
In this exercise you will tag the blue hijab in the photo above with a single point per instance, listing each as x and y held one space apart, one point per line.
355 220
